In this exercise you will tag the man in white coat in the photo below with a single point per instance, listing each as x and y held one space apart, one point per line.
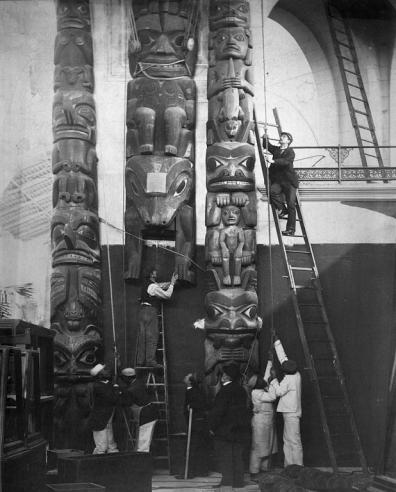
289 391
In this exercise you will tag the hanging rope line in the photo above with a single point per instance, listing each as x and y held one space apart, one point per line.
111 291
176 253
267 180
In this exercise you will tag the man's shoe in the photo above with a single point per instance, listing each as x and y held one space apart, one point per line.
288 232
181 477
283 214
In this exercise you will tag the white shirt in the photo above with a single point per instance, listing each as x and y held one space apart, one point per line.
161 290
262 400
289 390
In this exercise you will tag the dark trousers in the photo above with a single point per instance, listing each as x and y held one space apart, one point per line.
148 335
199 449
230 462
281 193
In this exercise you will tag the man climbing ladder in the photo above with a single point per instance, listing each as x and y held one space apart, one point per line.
284 179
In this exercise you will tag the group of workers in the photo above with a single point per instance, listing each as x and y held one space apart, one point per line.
243 412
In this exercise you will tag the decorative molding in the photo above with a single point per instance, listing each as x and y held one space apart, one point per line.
344 192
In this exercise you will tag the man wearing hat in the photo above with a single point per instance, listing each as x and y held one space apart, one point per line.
289 391
105 396
284 180
229 423
134 394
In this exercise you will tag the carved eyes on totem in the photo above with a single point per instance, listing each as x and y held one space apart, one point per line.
88 236
181 186
216 311
86 357
86 112
212 164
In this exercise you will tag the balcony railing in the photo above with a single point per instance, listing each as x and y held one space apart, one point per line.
343 163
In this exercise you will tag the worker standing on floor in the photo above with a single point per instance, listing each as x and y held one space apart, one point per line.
289 391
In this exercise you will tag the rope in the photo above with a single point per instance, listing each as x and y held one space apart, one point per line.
268 182
145 66
111 290
159 246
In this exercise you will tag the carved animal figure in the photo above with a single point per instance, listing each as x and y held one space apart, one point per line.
159 192
228 13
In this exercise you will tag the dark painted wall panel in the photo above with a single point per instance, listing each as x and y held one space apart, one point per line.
358 284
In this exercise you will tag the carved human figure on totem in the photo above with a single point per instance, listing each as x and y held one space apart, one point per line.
74 155
75 236
74 189
160 117
166 34
159 193
228 13
231 242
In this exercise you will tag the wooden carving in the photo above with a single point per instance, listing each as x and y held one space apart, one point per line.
160 132
76 277
231 323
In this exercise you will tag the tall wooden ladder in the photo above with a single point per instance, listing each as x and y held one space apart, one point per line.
358 105
321 357
157 382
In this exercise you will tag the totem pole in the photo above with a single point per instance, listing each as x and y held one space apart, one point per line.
159 174
231 323
76 277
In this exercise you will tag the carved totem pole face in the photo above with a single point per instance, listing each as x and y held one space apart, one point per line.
74 116
164 50
231 42
73 13
75 298
75 237
231 317
227 13
158 187
230 167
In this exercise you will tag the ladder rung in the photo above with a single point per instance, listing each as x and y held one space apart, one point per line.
298 251
155 384
360 112
347 59
351 71
158 402
296 235
370 155
345 44
355 86
365 140
305 269
364 127
304 287
358 99
165 457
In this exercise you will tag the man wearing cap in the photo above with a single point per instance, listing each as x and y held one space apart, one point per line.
284 180
152 294
229 423
289 391
134 394
105 396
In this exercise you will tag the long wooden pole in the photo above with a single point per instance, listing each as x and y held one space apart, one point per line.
188 443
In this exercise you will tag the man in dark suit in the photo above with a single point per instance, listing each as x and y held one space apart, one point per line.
229 423
135 396
105 396
195 400
284 180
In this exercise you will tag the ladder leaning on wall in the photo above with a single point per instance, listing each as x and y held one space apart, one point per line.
358 105
321 357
